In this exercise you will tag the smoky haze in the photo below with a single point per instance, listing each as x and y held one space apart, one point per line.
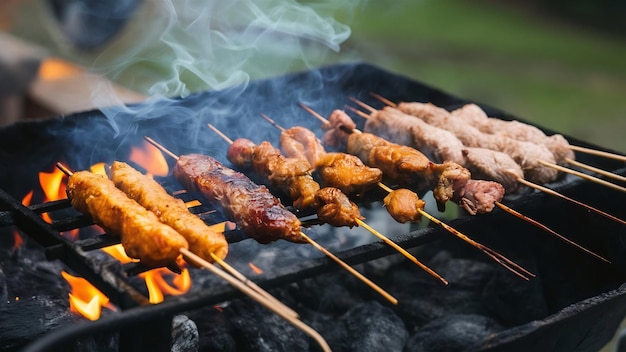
172 48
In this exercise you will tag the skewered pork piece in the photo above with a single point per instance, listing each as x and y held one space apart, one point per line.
252 207
441 145
408 166
142 234
405 166
528 155
344 171
171 211
556 143
293 177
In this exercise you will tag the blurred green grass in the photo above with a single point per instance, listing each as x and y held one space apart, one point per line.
562 76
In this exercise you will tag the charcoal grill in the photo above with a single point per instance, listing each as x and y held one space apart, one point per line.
585 297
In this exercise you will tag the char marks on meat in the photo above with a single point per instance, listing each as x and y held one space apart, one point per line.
257 212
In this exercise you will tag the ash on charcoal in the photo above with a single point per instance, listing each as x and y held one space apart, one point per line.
332 293
214 329
513 303
184 335
26 319
366 327
452 333
257 329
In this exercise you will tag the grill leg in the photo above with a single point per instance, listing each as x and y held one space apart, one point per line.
153 336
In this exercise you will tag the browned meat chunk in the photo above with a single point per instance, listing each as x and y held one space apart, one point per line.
255 210
143 236
348 173
404 205
170 211
334 208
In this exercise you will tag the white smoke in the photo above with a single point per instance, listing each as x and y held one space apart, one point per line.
172 48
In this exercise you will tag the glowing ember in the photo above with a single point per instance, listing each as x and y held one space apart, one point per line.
255 268
150 158
85 299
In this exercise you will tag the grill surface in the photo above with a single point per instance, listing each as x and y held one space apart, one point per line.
585 297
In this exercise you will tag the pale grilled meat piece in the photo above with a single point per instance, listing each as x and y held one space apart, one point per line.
556 143
442 145
528 155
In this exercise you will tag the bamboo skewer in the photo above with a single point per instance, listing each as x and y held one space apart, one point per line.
583 175
499 204
350 269
542 162
365 280
378 234
501 259
598 153
596 170
278 304
188 255
526 182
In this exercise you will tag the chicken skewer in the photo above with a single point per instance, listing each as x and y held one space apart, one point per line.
532 152
473 114
385 123
495 201
205 243
416 206
267 167
85 189
211 178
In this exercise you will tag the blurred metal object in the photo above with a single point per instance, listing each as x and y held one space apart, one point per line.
89 24
19 64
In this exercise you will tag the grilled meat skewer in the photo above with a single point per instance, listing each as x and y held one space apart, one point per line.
528 155
257 212
472 114
142 234
171 211
409 167
294 178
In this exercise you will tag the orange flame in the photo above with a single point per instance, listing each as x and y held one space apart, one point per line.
150 158
158 285
117 251
52 185
85 299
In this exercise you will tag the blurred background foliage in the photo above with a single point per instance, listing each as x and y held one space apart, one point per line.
561 64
